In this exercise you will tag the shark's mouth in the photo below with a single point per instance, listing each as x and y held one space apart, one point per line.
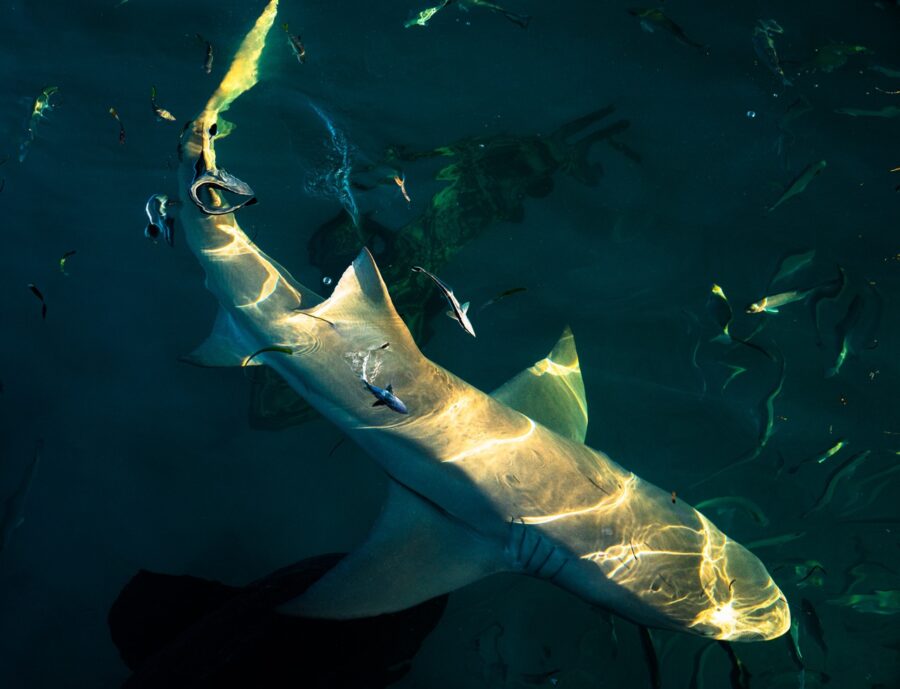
217 183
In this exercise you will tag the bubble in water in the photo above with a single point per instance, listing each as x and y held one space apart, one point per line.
751 114
327 281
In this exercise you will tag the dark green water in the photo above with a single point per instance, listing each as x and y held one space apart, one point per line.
150 463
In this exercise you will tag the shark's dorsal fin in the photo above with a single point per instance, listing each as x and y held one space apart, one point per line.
361 299
223 346
414 552
551 392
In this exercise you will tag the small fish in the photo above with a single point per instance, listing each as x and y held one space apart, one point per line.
422 18
520 20
799 184
822 457
400 181
831 57
764 44
844 335
161 113
296 45
64 259
801 573
791 263
719 308
773 303
875 603
730 502
829 290
502 295
774 540
812 624
458 311
208 60
385 397
159 223
888 112
843 472
274 348
115 115
13 514
653 18
39 110
36 292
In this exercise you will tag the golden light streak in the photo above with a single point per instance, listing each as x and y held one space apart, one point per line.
492 443
610 503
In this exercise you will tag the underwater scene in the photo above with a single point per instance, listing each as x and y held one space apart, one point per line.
449 344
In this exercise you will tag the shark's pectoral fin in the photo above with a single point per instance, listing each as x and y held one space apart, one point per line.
414 552
223 346
551 392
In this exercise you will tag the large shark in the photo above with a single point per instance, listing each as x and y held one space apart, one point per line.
479 483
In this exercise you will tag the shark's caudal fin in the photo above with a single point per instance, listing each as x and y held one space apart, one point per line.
414 552
551 392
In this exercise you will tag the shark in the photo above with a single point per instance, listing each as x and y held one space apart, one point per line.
479 483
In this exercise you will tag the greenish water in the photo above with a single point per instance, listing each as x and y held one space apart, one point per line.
150 463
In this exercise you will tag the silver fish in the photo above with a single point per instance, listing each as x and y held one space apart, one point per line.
458 311
158 221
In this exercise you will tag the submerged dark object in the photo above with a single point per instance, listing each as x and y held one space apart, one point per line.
180 631
222 181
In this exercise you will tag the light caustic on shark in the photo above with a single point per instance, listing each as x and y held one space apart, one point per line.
478 483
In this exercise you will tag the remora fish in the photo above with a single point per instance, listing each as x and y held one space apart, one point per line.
476 487
13 514
385 397
772 303
208 60
296 44
800 183
458 311
764 44
159 224
653 18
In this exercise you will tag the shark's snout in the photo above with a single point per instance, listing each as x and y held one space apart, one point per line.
749 606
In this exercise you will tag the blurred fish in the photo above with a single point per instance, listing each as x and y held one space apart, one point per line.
64 260
864 493
843 472
812 625
653 18
739 677
875 603
13 514
458 311
828 290
400 181
520 20
775 540
831 57
161 113
735 372
844 335
790 264
886 71
799 184
159 223
115 116
39 110
731 502
502 295
208 60
650 656
801 573
296 44
764 44
888 112
36 292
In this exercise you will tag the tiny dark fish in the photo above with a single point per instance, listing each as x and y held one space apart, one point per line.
653 18
36 292
650 655
64 259
208 60
296 45
739 675
115 115
813 625
502 295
